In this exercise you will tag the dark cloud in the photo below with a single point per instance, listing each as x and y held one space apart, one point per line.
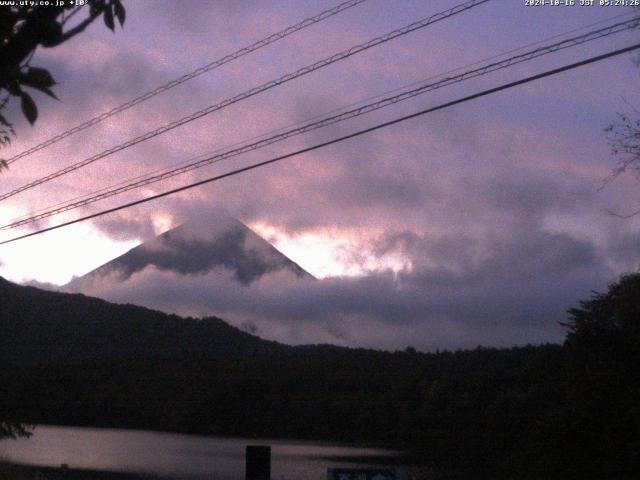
507 291
625 249
127 225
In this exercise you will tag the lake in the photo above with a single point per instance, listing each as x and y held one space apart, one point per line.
172 455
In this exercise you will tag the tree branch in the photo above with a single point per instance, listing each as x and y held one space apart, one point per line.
78 28
623 216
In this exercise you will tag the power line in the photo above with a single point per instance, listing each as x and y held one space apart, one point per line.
34 215
364 109
255 91
336 140
334 110
150 178
193 74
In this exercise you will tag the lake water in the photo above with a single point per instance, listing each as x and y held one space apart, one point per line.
173 455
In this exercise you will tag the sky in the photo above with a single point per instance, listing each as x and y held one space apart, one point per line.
478 224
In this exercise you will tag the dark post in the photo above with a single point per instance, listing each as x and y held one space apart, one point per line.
258 462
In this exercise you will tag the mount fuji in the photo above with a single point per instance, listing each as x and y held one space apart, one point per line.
201 262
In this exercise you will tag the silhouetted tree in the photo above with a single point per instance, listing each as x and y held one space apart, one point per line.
608 319
14 430
25 27
601 424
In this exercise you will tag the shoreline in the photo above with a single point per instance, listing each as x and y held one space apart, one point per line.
18 471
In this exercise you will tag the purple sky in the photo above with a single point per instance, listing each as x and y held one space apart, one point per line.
482 223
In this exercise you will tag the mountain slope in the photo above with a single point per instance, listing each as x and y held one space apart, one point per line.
41 326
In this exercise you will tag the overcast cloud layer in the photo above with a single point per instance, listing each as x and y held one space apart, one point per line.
501 299
491 210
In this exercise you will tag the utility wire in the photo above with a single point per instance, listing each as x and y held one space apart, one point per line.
255 91
150 178
364 109
36 212
335 110
443 106
193 74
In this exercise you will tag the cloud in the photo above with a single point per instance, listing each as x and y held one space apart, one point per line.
506 292
42 285
127 225
625 250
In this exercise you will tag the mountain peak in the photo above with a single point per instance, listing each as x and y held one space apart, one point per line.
214 242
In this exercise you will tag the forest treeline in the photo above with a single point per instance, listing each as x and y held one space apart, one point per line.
550 411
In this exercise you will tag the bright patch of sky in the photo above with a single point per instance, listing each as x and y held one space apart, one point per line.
59 255
330 253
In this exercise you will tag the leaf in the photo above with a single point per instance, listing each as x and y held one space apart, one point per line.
40 79
108 18
119 11
37 78
29 108
49 92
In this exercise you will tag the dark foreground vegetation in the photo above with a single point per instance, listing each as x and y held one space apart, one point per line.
570 411
10 471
